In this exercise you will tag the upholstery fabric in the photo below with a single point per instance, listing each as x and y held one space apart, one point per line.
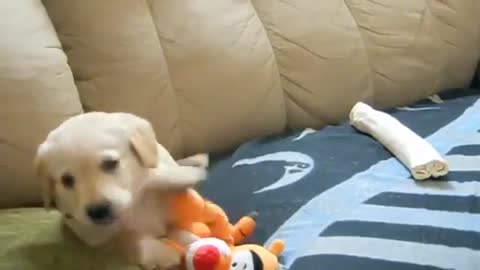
210 75
37 93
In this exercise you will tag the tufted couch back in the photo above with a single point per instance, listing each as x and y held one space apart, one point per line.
210 75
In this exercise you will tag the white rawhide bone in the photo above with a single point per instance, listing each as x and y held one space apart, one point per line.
415 153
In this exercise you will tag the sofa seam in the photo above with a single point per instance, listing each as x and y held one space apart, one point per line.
442 71
277 66
367 55
174 89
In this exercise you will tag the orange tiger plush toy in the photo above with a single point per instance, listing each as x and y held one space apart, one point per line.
194 214
219 243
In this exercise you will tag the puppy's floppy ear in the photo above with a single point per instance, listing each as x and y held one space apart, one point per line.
144 143
42 175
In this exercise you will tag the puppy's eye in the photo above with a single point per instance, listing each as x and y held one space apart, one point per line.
68 180
109 165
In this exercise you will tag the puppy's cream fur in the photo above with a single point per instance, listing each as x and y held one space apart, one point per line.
80 147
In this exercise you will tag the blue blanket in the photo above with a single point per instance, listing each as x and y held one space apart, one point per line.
341 201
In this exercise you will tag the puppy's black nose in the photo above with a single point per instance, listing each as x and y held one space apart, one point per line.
100 213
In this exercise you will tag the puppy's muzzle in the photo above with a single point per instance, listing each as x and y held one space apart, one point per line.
101 213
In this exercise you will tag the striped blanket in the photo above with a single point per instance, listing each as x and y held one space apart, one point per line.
340 201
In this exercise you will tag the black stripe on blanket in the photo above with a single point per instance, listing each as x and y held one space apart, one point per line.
466 150
470 204
461 176
402 232
343 262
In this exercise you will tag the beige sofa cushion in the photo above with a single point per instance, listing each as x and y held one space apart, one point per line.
118 62
36 93
202 72
223 70
334 53
210 75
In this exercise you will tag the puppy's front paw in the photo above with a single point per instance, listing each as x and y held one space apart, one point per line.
156 255
197 174
198 160
176 177
160 264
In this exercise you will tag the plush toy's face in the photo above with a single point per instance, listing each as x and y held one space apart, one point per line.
215 254
245 260
253 257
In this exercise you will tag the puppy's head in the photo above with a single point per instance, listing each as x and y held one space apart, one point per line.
91 164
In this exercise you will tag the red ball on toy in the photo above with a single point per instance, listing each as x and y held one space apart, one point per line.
206 258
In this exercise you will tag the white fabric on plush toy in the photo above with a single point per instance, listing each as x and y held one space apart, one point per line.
415 153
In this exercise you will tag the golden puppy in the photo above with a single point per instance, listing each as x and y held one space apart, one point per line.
93 167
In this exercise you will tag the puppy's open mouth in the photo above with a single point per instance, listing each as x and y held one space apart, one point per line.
105 221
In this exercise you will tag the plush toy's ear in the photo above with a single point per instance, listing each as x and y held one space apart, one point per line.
276 247
144 143
43 176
